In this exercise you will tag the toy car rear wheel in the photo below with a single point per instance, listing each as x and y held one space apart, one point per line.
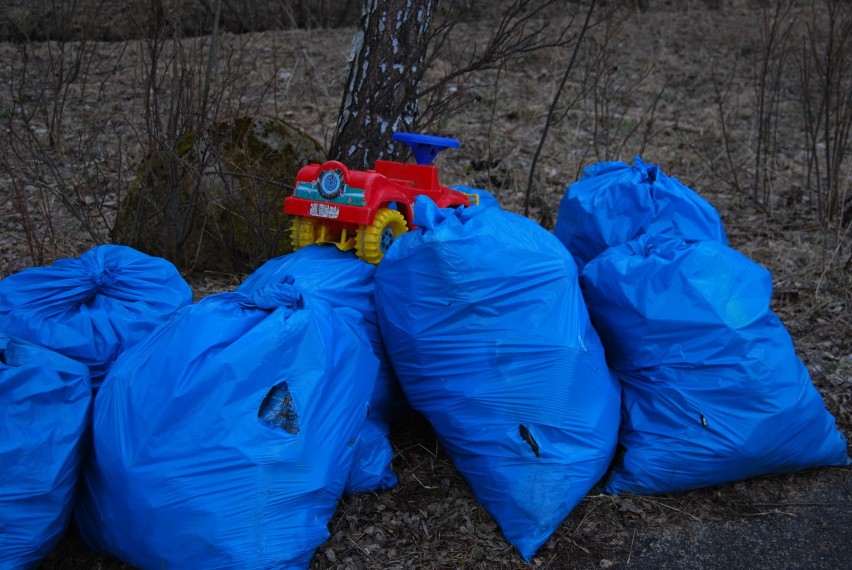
303 232
373 241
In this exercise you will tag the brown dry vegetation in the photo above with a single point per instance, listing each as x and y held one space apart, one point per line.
675 84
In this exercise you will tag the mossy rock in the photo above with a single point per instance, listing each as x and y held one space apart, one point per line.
215 201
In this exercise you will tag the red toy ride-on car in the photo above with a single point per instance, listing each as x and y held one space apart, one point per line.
366 210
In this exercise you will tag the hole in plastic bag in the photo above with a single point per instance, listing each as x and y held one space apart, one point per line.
528 437
278 410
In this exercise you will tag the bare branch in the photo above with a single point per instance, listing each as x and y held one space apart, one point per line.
553 104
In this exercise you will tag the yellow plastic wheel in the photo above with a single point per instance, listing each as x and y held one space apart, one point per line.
373 241
303 232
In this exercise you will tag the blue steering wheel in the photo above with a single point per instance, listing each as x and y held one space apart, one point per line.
425 147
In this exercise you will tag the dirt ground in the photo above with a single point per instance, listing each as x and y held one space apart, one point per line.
666 68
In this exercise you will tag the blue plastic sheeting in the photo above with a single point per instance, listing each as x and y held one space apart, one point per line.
713 391
486 198
613 203
342 280
92 307
225 438
486 327
44 398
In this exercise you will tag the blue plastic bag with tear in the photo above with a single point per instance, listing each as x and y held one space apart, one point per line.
614 202
342 280
712 388
225 438
92 307
44 400
485 324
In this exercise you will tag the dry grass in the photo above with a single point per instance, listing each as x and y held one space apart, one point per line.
660 99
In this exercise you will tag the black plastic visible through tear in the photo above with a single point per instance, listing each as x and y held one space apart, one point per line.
278 410
528 437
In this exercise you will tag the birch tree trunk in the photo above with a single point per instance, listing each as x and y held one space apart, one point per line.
380 97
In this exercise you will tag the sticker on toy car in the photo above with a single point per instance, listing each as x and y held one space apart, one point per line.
324 211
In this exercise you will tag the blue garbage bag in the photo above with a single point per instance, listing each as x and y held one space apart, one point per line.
44 398
613 203
485 324
225 438
342 280
712 388
371 465
92 307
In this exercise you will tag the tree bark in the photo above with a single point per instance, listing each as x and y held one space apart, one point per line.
380 97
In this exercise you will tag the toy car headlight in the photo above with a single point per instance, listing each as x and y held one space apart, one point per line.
330 183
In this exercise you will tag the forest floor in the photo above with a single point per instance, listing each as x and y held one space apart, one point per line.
673 71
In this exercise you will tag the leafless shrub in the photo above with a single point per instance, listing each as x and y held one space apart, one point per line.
189 188
187 85
41 20
771 63
523 27
552 110
820 99
257 15
757 155
618 121
727 105
826 92
49 76
68 59
177 103
318 13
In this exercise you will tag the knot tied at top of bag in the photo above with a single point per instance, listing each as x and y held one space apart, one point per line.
659 246
614 203
94 307
647 171
103 278
274 296
429 216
